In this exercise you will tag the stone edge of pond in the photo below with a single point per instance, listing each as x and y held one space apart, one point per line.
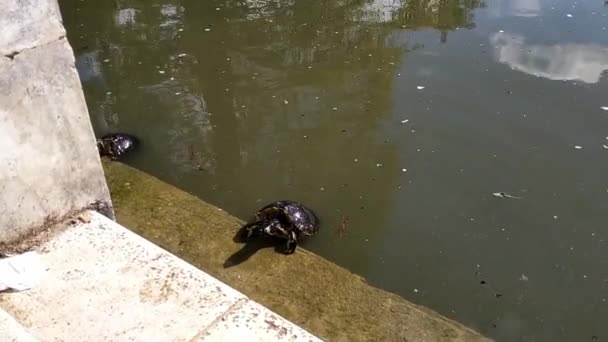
106 283
320 296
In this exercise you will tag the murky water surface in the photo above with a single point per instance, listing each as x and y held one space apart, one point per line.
396 121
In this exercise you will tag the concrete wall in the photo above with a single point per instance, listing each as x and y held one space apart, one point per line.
49 164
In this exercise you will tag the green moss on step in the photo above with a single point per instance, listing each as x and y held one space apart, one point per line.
327 300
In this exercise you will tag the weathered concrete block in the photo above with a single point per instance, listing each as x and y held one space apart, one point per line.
28 23
12 331
50 164
254 323
105 283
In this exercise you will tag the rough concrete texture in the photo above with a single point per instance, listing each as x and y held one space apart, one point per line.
27 24
50 163
323 298
105 283
12 331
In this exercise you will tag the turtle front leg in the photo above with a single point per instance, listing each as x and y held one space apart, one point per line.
292 243
251 230
248 232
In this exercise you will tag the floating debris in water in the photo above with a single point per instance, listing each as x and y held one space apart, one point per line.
379 165
403 170
181 30
161 72
569 15
578 147
605 147
415 290
420 87
107 60
181 55
285 102
343 227
504 195
405 121
501 31
523 277
604 108
555 217
207 29
335 108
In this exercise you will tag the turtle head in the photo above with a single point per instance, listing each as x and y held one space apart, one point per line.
101 147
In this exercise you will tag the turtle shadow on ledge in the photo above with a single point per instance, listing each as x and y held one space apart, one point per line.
251 247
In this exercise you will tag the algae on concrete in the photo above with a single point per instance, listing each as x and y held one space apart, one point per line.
327 300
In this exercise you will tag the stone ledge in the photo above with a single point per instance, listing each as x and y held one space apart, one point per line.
107 283
12 331
27 24
51 166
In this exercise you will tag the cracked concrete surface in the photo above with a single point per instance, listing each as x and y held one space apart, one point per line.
51 167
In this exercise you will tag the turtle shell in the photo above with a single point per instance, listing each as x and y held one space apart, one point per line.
292 215
116 145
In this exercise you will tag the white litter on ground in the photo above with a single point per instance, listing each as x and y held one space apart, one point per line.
21 272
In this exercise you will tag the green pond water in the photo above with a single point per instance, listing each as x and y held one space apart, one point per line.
396 121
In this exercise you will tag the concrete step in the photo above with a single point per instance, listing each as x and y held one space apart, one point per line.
13 331
105 283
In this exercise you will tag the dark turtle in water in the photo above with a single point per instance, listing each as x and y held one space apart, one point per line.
116 145
283 219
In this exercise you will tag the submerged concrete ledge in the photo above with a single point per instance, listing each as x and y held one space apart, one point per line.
327 300
105 283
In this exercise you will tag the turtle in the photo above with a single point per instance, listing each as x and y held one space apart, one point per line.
284 219
116 145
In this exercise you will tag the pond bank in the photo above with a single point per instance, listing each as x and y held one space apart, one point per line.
327 300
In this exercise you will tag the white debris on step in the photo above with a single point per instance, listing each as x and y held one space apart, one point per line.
21 272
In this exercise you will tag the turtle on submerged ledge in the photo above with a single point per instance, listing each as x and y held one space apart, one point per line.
283 219
116 145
